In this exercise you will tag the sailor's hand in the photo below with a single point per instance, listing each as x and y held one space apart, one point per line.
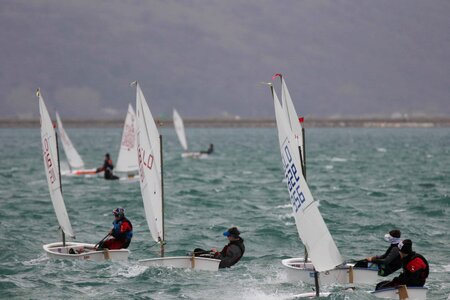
214 250
369 259
110 232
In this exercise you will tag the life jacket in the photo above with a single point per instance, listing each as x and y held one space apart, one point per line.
118 224
417 268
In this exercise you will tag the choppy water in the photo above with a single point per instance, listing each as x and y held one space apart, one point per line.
368 181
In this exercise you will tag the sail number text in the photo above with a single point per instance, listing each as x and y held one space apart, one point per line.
145 161
48 162
293 179
128 136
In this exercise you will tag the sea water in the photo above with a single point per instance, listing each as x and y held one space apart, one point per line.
367 181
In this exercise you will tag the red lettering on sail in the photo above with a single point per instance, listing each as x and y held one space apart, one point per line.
128 136
48 162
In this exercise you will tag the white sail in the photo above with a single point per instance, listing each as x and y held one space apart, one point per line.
51 163
288 107
72 155
310 224
127 159
149 159
179 129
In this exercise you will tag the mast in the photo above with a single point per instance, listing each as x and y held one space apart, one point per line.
162 194
60 182
303 163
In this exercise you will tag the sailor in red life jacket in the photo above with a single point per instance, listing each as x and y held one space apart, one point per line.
121 233
107 168
415 268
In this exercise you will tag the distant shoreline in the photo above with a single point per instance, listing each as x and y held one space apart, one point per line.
422 122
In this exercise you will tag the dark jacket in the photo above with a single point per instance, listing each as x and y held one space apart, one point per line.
415 270
389 262
108 164
108 168
231 253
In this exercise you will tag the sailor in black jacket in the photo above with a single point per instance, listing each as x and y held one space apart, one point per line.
232 252
390 261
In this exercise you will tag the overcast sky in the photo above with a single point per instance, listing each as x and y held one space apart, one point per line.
206 58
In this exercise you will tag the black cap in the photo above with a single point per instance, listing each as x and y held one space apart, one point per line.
233 231
405 246
395 233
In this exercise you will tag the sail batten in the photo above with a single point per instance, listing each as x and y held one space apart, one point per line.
310 225
149 160
127 158
51 164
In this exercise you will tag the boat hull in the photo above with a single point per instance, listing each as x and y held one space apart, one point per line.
128 178
297 270
194 155
412 293
80 172
185 262
84 251
311 295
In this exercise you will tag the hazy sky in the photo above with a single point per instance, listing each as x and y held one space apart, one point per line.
206 58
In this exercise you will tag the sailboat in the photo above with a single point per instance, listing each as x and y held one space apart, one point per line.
149 151
127 159
75 161
64 250
179 129
311 227
309 222
299 268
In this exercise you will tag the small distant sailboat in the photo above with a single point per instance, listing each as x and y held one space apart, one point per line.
149 150
65 250
75 161
179 129
127 162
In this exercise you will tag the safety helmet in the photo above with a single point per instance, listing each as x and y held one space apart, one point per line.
120 211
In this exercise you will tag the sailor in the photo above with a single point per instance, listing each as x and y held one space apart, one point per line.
108 168
231 253
390 261
209 151
414 266
121 233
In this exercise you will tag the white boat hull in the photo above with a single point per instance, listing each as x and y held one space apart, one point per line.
84 251
311 295
297 270
185 262
194 155
412 293
80 172
128 178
